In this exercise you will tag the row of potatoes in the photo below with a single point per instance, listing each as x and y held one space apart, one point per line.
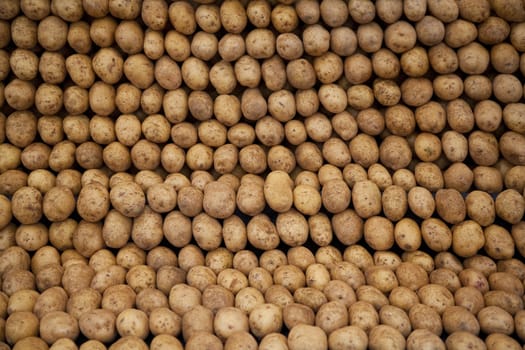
206 212
221 299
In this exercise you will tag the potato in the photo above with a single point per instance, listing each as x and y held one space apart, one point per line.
395 317
20 325
337 290
458 318
366 199
436 234
128 342
201 277
506 282
512 266
64 343
420 202
425 317
277 199
90 194
58 203
510 206
250 198
472 277
493 319
23 198
250 297
52 299
168 276
467 238
149 299
420 258
387 259
332 316
130 255
260 279
16 280
198 319
411 275
480 207
518 320
132 322
496 341
183 297
204 339
371 295
118 298
294 314
446 278
166 341
229 320
279 295
508 301
421 338
31 343
31 237
56 325
219 200
461 340
450 205
289 46
304 336
498 242
460 115
241 339
385 336
22 300
310 297
512 153
379 233
107 277
265 319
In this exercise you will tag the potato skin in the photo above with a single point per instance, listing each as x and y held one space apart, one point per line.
467 238
278 191
349 336
93 202
450 206
511 147
461 340
218 200
493 319
423 338
305 336
366 199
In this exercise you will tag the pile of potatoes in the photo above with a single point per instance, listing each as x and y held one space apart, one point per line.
262 174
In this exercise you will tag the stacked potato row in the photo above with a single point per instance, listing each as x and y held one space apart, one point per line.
262 174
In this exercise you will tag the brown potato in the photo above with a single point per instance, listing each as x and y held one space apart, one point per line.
425 317
302 336
458 318
450 205
493 319
461 339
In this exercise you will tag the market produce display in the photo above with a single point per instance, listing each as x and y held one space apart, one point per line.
262 174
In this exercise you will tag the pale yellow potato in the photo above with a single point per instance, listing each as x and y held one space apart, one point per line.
229 320
265 319
57 325
306 336
421 202
420 338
